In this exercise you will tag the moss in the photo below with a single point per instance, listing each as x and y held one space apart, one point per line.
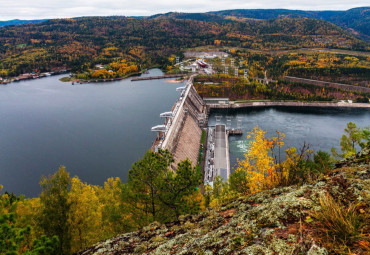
157 239
292 238
140 248
188 225
281 247
315 250
256 250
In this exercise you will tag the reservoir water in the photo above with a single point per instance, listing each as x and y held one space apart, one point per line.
321 128
96 130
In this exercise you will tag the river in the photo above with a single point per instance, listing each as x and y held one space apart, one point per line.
96 130
319 127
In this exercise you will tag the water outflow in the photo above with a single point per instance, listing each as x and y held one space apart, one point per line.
321 128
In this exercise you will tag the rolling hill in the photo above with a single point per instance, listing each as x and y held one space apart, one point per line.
80 43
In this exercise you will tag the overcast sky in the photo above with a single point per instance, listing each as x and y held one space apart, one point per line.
42 9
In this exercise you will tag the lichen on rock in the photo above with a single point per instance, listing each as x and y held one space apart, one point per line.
274 221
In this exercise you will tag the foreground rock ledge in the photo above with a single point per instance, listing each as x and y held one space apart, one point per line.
268 222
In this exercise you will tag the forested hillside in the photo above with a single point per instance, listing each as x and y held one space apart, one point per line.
356 19
80 43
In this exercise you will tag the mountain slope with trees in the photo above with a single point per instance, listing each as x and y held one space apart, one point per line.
78 44
356 19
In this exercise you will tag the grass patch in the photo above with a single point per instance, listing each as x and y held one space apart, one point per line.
22 45
65 79
201 148
342 226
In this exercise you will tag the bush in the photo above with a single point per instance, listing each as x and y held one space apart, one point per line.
362 100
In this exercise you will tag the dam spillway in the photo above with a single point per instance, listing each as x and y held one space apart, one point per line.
182 131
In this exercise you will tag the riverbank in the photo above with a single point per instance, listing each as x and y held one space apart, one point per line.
175 81
81 81
234 105
31 76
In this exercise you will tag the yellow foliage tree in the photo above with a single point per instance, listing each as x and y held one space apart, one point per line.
116 218
86 215
259 164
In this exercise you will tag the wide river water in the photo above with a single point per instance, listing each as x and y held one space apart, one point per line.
96 130
321 128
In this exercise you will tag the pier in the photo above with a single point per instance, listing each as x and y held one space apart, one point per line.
235 131
166 76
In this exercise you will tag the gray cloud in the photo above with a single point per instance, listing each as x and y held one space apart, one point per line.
40 9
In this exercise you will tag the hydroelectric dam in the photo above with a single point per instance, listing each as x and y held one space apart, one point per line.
181 134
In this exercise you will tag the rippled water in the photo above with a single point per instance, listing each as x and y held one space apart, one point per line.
320 127
96 130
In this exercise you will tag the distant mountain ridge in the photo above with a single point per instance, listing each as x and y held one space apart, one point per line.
357 20
19 22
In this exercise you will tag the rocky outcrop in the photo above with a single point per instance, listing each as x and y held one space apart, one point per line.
361 158
268 222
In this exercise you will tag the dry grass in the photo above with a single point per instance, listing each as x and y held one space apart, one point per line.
341 226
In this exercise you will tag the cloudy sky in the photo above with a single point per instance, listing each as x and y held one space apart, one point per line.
41 9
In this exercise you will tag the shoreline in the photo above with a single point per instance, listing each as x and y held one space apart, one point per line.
80 81
175 81
233 105
33 77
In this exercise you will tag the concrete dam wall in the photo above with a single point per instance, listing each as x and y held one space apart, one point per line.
183 131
